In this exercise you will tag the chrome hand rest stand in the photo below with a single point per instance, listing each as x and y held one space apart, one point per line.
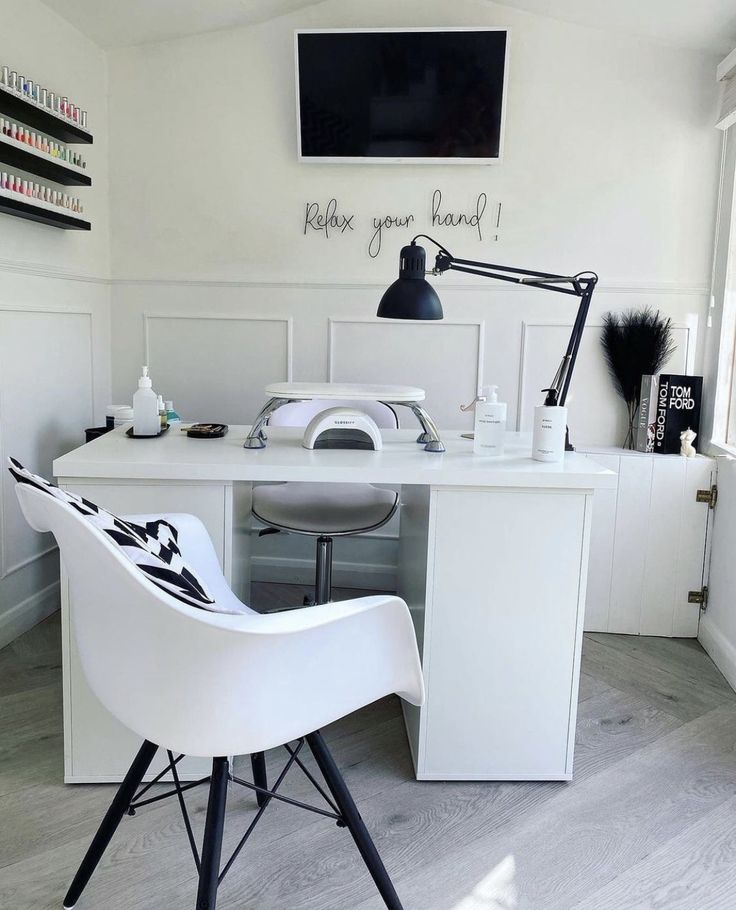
282 393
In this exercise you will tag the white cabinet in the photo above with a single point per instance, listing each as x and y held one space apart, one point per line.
648 544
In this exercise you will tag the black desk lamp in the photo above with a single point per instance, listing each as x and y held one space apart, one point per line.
411 296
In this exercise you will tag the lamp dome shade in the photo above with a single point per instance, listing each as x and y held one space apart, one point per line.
411 296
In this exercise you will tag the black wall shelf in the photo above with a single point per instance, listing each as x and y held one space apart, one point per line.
42 215
31 114
17 155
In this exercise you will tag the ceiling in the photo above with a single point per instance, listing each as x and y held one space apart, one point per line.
708 25
121 23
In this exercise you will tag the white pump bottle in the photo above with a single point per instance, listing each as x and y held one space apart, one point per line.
146 421
490 423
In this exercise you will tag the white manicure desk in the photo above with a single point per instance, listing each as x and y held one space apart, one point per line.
492 561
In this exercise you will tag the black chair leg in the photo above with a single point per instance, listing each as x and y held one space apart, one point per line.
209 867
110 822
354 822
260 778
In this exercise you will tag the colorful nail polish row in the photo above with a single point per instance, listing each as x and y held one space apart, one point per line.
41 143
40 192
50 101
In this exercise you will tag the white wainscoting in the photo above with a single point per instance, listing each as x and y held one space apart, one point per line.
594 412
54 381
215 344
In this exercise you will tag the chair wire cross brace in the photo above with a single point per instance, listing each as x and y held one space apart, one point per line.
264 795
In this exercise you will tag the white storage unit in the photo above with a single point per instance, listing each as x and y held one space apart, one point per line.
648 545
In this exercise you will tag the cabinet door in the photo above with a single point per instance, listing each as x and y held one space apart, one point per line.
503 633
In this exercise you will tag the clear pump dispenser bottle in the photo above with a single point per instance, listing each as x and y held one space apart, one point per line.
146 421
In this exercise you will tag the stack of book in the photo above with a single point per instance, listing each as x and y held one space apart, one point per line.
669 404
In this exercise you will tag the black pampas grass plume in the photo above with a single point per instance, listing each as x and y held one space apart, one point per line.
635 343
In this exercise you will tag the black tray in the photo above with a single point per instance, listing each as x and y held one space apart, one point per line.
129 432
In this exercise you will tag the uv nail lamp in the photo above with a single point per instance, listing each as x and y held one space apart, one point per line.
342 428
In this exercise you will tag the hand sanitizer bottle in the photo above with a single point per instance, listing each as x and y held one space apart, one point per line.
146 421
490 423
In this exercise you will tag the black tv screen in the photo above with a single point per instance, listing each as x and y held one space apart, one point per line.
420 96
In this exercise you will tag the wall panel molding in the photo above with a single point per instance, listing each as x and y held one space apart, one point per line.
215 365
417 363
613 286
40 270
8 569
288 322
687 325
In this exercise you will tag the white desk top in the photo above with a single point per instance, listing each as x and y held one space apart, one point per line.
176 457
354 391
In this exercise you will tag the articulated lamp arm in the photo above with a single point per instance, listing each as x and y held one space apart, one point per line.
581 286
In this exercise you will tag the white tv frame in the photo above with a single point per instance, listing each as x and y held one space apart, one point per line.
369 159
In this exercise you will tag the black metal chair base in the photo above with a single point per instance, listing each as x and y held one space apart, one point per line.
129 799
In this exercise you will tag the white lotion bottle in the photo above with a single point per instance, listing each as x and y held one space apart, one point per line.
490 423
146 421
550 429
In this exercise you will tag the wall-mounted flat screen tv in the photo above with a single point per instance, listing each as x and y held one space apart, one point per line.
415 95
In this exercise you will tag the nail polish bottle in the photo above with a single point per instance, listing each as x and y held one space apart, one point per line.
84 119
5 75
13 80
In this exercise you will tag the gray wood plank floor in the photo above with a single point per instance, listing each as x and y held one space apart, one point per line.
648 822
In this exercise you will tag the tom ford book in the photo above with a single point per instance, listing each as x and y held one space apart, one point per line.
646 420
677 408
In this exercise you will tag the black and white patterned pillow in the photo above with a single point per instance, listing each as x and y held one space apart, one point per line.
153 548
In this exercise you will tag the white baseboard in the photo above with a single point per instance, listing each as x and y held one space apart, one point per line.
28 613
344 574
719 648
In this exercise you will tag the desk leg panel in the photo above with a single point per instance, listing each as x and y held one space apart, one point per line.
505 576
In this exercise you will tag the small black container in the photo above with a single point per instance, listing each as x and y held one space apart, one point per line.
94 432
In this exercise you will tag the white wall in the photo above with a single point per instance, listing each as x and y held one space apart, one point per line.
54 314
610 163
718 624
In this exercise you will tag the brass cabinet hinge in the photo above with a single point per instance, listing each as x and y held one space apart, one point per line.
708 496
699 597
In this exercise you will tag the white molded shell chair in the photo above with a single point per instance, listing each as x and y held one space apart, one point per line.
213 684
325 510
